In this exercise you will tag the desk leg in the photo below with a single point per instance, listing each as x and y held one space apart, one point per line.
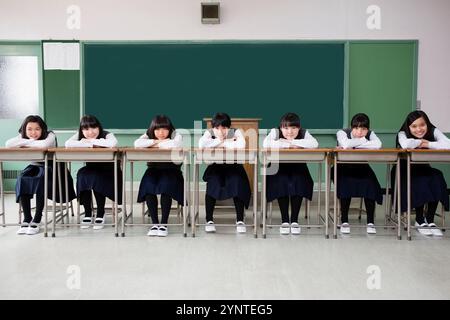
399 222
124 201
3 195
66 189
188 193
45 195
386 197
319 196
264 197
185 187
197 195
408 190
116 199
255 197
61 201
335 200
194 199
54 195
327 196
69 170
131 190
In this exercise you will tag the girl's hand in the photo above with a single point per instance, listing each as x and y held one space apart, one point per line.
156 143
424 144
293 146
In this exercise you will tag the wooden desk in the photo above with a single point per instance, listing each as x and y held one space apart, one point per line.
365 156
22 154
85 155
177 156
297 156
417 156
250 129
224 156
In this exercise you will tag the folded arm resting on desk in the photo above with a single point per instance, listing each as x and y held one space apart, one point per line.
359 143
109 142
18 141
272 141
442 142
145 142
207 141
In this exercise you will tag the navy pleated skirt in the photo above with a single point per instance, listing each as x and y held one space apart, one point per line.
100 178
357 181
427 185
292 179
163 180
31 181
225 181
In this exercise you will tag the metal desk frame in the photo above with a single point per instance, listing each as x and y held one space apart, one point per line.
297 156
224 156
418 156
132 155
22 154
84 155
366 156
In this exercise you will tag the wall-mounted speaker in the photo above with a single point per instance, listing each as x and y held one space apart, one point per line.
210 12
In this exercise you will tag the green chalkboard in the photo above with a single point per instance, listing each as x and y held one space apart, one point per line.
382 81
125 84
62 98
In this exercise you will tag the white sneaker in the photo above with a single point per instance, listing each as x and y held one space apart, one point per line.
210 227
86 223
295 228
284 229
345 228
99 223
435 231
23 228
425 232
153 231
371 228
240 227
33 228
162 231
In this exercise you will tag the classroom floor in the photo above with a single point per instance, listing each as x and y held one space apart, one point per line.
88 264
